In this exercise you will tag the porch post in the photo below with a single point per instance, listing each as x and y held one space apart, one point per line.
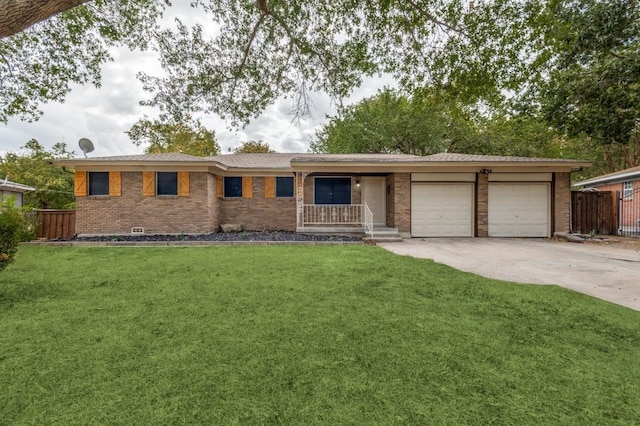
300 198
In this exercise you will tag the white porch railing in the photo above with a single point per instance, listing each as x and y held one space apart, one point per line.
368 220
332 214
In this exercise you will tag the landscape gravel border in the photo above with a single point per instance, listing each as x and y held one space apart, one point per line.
230 238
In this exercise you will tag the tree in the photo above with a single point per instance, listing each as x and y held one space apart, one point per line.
41 63
18 15
271 48
259 147
425 123
594 85
187 137
54 185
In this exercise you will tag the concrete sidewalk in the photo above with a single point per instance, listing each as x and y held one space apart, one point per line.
607 272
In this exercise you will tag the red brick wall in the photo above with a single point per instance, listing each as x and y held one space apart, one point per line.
482 205
157 215
259 213
401 204
562 202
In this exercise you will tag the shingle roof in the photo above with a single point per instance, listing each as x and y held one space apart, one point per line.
633 172
262 161
172 156
445 156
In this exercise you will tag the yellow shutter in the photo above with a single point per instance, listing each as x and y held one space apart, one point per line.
80 184
148 184
115 184
183 184
219 187
247 187
269 187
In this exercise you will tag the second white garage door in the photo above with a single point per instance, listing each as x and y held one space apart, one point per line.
442 210
519 209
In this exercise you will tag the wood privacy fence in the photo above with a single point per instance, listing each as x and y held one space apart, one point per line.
594 211
56 224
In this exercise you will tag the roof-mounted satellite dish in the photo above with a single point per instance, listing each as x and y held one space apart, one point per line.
86 146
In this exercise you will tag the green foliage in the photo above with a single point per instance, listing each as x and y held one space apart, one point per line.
254 147
187 136
266 50
426 123
54 185
594 83
13 228
357 336
42 63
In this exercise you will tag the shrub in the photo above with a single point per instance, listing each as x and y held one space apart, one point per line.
14 227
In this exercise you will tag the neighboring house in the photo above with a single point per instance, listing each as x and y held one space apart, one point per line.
626 183
12 189
442 195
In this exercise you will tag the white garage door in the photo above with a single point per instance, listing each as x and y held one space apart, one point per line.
442 210
519 209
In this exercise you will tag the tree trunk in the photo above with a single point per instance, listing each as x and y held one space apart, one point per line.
17 15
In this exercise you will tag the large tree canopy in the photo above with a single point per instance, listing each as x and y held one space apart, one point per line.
187 136
40 64
425 123
272 48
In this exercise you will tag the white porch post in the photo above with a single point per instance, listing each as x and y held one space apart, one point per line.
300 198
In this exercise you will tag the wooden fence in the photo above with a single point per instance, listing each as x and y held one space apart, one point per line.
594 211
56 224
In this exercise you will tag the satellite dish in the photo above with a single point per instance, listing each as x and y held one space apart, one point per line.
86 146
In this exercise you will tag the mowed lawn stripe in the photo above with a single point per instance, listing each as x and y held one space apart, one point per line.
302 335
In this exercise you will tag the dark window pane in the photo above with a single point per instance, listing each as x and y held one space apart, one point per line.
333 191
98 183
233 187
284 187
167 183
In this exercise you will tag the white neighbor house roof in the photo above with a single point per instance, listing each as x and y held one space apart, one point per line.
620 176
7 185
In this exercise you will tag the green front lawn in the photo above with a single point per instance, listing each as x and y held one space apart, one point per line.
302 335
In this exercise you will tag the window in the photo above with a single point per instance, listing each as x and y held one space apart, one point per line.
167 183
332 191
98 183
627 190
233 187
284 187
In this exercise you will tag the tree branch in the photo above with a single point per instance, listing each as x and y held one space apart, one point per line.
435 20
18 15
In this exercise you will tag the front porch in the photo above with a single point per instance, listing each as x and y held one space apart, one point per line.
355 204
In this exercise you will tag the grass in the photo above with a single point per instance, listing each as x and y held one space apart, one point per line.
302 335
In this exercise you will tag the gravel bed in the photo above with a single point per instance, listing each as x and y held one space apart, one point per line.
220 236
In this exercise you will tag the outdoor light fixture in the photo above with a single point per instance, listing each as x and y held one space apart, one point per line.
485 171
357 184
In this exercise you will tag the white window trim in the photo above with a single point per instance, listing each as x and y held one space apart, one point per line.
627 190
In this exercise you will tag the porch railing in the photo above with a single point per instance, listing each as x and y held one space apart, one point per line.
368 220
332 214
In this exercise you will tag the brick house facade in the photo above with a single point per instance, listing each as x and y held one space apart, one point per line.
175 193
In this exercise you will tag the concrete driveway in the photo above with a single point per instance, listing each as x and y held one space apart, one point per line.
604 271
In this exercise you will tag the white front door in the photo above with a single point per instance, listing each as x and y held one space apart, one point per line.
374 194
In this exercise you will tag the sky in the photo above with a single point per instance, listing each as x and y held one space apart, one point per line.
104 114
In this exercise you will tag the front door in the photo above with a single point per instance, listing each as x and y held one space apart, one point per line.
374 194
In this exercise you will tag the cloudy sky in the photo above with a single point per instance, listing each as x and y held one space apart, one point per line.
103 115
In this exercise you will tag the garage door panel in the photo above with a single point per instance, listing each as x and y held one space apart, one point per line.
519 209
442 210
